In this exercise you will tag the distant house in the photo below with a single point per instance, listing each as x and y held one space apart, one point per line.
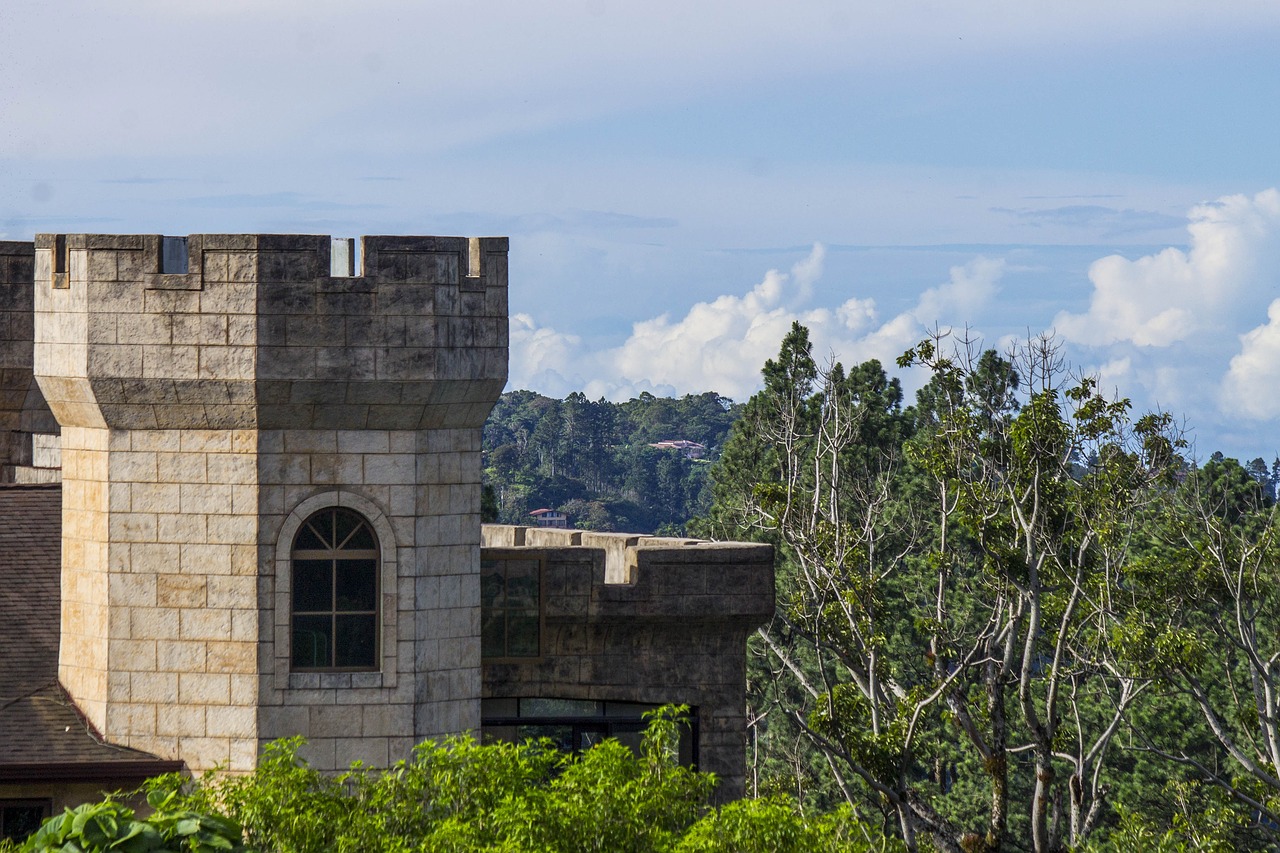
549 518
691 449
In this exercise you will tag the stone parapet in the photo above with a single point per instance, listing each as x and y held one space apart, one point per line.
626 577
630 618
254 331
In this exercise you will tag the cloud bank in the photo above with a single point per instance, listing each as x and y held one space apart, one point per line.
1196 330
722 344
1192 329
1169 297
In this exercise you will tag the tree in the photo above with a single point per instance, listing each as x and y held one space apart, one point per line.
1051 543
1213 573
942 608
540 452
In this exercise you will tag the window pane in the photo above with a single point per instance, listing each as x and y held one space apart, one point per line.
357 585
345 523
357 641
312 586
630 739
361 540
522 591
522 633
491 589
561 735
19 821
493 634
505 734
510 600
308 540
312 641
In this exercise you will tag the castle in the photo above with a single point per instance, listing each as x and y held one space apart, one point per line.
260 455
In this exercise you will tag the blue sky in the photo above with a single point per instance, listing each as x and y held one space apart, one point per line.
680 181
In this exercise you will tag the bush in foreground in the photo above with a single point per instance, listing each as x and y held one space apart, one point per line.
459 796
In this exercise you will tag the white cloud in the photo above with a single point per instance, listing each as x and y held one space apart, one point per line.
1114 375
1181 329
722 344
1248 389
539 355
1161 299
959 300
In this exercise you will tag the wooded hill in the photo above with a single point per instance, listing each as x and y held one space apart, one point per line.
595 461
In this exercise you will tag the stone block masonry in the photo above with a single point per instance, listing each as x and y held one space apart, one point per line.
23 413
206 410
628 618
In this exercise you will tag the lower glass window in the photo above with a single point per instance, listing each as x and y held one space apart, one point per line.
21 818
574 725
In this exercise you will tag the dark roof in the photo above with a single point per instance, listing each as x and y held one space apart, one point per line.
42 734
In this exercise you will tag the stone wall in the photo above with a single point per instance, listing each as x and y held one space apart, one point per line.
207 408
419 489
644 619
23 412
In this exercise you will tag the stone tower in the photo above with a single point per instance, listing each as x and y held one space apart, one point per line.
271 489
26 425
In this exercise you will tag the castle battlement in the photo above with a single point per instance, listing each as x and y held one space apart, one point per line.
221 331
161 262
628 576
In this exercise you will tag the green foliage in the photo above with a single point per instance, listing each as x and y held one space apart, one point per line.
1203 820
776 825
111 826
1006 614
593 460
459 796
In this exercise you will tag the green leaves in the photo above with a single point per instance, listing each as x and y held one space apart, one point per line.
776 825
459 796
111 826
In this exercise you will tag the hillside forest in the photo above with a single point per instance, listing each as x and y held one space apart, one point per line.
595 461
1013 614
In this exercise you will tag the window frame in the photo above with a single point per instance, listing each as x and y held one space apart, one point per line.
386 673
45 805
333 556
507 554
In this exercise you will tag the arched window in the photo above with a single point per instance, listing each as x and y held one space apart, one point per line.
335 594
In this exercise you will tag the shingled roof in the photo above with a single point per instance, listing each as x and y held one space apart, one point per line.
43 737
